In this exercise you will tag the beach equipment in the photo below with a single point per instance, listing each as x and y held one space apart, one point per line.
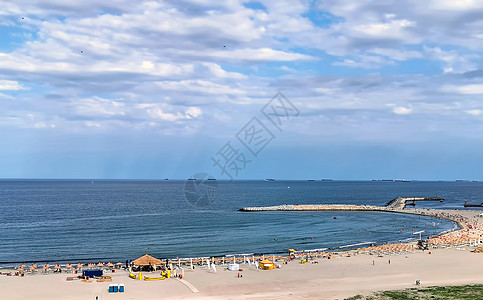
33 269
113 288
57 268
46 268
140 276
154 278
121 288
266 264
92 273
234 267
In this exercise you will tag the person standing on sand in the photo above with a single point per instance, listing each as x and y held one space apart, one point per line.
389 261
372 262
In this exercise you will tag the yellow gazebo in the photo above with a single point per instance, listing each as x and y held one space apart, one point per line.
266 265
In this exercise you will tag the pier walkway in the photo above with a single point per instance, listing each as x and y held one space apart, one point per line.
401 202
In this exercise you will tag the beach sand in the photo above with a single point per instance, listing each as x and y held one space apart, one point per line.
335 278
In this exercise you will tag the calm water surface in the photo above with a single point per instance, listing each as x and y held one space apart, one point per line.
59 221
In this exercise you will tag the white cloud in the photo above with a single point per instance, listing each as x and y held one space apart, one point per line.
218 71
261 54
10 85
201 86
364 61
396 54
474 112
391 29
97 106
456 4
400 110
193 112
158 111
469 89
473 89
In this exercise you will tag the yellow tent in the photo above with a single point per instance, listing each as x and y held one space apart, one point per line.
266 265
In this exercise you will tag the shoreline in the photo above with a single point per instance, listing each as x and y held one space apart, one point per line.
330 207
317 275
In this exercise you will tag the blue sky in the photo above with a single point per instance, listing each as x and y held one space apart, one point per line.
156 89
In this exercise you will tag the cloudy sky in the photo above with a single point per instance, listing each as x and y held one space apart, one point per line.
166 89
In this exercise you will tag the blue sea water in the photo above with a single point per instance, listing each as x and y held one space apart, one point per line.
84 220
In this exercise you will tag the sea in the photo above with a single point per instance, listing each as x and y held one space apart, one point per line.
118 220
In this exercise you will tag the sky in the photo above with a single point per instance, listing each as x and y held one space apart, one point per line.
298 89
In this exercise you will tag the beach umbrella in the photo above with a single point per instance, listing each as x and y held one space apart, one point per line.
34 265
57 267
119 264
23 266
68 266
100 264
46 266
20 269
32 268
110 265
91 265
80 266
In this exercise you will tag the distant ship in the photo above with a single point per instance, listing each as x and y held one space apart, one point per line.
327 179
401 180
269 179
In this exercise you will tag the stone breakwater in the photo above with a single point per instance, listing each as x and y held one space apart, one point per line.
317 207
397 204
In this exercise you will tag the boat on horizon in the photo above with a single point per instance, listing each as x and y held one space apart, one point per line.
270 179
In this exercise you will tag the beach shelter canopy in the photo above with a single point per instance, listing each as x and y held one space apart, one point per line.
146 260
266 264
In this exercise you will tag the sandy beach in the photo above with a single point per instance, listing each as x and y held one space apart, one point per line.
346 274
